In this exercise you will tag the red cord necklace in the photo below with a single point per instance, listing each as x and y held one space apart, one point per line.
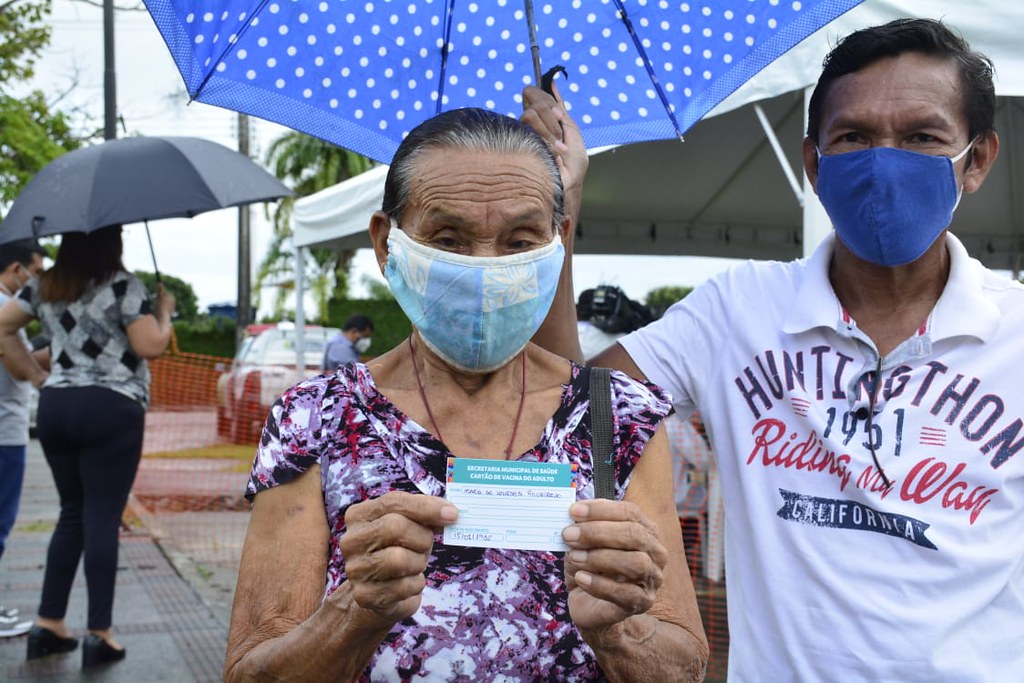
430 414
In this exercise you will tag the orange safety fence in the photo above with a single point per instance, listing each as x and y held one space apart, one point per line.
201 434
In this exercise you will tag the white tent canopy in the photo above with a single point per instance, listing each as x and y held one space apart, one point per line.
723 191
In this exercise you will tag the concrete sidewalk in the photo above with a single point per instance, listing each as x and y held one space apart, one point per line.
169 631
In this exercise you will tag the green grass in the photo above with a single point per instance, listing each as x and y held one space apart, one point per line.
228 451
242 454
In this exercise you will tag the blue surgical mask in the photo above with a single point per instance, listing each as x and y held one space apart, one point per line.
476 313
888 205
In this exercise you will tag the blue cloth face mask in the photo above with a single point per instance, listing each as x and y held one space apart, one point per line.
476 313
888 205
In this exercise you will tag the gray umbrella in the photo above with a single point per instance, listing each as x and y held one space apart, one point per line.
136 179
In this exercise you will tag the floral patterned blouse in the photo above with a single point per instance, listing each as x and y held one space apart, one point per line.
485 614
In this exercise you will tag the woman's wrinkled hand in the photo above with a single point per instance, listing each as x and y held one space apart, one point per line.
386 545
615 564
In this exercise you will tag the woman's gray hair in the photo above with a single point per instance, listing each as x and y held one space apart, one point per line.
468 129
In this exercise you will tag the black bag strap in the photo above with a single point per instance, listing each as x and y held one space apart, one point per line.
601 441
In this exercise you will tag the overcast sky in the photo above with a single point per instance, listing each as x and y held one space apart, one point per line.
204 250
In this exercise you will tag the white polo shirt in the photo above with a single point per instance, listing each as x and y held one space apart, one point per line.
831 576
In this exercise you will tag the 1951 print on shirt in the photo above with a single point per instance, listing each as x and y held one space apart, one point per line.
931 417
783 378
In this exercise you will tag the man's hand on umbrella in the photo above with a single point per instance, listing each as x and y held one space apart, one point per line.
547 115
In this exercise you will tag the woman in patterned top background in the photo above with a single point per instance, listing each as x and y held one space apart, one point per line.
90 420
344 573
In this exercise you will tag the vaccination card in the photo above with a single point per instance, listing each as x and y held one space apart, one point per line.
515 505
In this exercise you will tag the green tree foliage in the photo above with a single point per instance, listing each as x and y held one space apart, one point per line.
308 165
23 35
187 303
209 336
378 291
660 298
31 134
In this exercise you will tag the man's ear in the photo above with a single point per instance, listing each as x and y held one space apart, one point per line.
380 228
983 155
810 154
564 230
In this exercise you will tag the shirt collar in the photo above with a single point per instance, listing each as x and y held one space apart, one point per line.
816 303
962 309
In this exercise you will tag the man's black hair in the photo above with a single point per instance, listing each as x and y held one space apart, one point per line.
20 251
357 322
923 36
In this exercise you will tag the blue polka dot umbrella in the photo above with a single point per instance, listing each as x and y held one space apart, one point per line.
363 73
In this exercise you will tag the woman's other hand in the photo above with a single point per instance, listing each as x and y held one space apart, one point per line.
386 545
630 592
615 565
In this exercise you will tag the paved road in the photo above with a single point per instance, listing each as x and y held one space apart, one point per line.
174 629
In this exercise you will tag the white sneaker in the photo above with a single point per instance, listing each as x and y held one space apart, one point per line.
8 612
18 628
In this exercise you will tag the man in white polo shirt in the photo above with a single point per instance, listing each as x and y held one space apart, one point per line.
865 405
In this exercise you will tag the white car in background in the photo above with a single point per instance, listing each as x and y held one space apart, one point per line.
262 370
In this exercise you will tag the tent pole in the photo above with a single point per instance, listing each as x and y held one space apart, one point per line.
300 313
816 224
773 140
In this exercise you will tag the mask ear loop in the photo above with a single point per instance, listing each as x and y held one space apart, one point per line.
958 157
871 423
965 150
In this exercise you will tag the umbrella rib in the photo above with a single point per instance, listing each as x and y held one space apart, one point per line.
450 5
647 65
231 44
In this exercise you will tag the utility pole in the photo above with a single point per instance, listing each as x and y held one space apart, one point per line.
244 306
109 73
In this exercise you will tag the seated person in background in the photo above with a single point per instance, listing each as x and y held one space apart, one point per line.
605 313
347 345
344 575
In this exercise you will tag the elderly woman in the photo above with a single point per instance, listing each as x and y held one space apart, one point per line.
344 573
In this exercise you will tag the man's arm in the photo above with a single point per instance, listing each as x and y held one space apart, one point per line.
547 115
17 359
42 356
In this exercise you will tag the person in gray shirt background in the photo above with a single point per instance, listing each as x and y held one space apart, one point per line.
20 261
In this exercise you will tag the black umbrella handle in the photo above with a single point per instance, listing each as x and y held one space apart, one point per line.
548 78
534 48
152 253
